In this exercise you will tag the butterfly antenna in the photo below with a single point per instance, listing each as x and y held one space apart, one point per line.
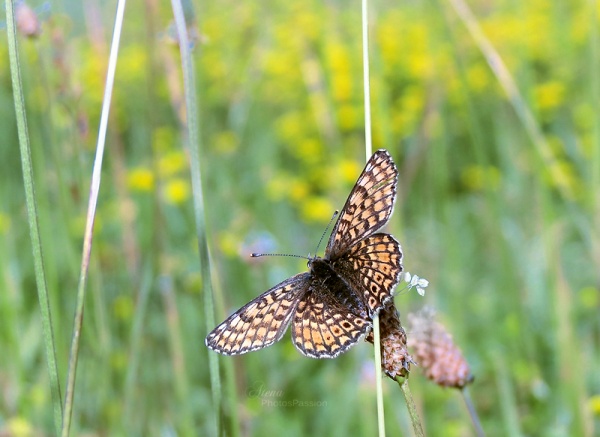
257 255
336 212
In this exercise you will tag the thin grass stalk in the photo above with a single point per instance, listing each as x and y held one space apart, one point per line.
472 412
368 153
412 408
193 130
177 354
32 215
515 97
136 345
594 170
366 79
91 215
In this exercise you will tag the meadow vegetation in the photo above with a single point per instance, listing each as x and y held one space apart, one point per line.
499 208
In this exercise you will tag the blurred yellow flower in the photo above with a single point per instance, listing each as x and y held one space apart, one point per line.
349 117
589 297
478 77
172 163
19 427
123 307
477 177
308 149
133 63
291 126
278 186
193 281
163 139
317 209
561 174
140 179
298 189
92 78
341 86
549 95
177 191
594 404
229 244
77 224
118 360
349 170
226 142
4 223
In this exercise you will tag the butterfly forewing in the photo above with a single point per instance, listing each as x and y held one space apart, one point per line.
372 267
322 328
369 205
262 321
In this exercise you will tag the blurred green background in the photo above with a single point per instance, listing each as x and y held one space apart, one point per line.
504 225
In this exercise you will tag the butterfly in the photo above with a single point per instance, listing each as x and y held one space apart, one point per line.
330 307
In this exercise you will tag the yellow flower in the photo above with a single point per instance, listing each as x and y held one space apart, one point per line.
478 77
549 95
226 142
229 244
140 179
308 149
349 170
341 85
177 191
132 63
291 126
594 405
349 117
19 427
477 178
317 209
172 163
123 307
118 360
163 139
298 190
589 297
4 223
278 187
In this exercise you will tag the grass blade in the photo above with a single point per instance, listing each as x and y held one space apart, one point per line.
193 131
32 215
89 226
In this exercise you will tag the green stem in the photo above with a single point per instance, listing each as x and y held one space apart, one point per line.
89 226
32 215
412 409
193 130
472 412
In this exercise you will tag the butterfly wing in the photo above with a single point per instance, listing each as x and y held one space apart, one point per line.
369 205
262 321
372 268
324 328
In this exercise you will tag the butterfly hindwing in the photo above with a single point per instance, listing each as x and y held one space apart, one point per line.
322 327
372 267
369 205
262 321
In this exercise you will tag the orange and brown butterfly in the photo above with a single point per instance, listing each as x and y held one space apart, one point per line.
331 306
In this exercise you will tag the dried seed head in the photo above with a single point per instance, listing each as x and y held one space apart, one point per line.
435 351
395 359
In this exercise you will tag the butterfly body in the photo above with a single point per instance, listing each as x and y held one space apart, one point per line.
331 306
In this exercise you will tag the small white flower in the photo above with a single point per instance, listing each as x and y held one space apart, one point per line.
417 282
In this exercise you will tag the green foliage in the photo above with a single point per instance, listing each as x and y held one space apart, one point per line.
511 252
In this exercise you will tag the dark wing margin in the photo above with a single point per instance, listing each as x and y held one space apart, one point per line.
262 321
369 205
